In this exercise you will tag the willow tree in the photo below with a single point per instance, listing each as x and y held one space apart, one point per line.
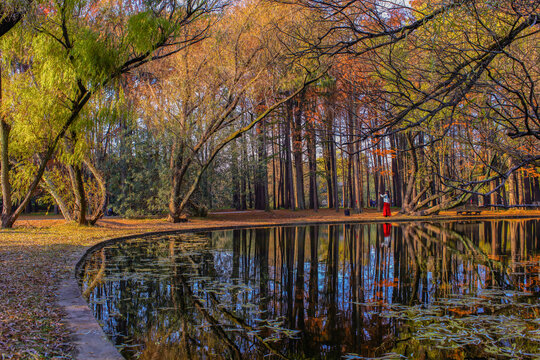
77 49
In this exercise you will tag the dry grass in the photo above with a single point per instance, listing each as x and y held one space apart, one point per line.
40 252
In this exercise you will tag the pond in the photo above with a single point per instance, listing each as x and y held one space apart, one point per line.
449 290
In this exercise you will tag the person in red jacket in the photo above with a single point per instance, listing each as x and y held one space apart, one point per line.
386 204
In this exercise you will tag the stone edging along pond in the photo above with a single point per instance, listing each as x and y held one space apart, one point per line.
90 341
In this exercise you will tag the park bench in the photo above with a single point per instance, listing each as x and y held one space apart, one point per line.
468 210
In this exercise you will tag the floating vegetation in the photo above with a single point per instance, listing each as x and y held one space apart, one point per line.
389 356
328 292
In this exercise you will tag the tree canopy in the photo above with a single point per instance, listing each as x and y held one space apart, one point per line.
172 108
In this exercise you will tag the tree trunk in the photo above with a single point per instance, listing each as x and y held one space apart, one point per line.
289 187
82 99
333 192
4 164
312 164
261 174
367 169
396 172
520 186
493 196
235 178
98 212
77 183
328 173
243 182
50 187
274 173
512 199
536 189
334 171
177 157
380 178
527 189
297 148
357 182
355 175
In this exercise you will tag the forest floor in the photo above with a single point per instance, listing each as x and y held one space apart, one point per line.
40 252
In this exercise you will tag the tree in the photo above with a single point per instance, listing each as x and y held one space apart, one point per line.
217 91
71 61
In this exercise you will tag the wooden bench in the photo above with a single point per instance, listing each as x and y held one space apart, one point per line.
468 209
468 212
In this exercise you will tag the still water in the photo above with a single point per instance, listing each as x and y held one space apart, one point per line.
453 290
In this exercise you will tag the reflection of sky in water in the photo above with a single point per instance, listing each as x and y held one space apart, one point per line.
324 291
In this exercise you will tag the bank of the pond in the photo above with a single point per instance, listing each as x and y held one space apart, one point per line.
38 292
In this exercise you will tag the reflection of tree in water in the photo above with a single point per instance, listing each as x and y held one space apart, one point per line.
323 291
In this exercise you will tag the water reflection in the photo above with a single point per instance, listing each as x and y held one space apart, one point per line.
429 290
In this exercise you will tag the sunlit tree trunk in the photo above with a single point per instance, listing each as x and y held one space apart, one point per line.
77 183
4 164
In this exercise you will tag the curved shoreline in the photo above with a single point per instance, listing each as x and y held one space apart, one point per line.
88 337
